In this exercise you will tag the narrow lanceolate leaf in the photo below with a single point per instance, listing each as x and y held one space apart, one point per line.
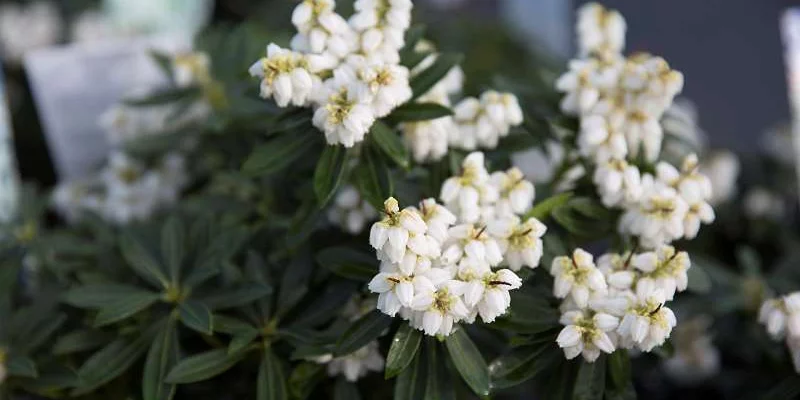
279 153
403 350
161 357
100 295
173 246
521 364
329 172
423 82
363 331
543 209
348 262
78 341
619 369
203 366
142 261
419 112
468 361
373 178
437 385
789 388
345 390
124 308
389 141
110 362
197 316
591 381
21 366
304 378
271 381
240 296
410 385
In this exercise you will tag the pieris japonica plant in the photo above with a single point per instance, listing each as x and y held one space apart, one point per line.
332 217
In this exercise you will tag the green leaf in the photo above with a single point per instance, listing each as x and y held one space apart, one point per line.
240 296
98 296
410 385
543 210
423 82
304 378
111 361
164 63
438 385
142 261
241 340
348 262
521 364
203 366
373 178
390 143
271 381
329 172
344 390
419 112
124 308
699 281
619 369
277 154
363 331
161 357
230 325
468 361
196 315
403 350
165 96
78 341
173 246
21 366
591 381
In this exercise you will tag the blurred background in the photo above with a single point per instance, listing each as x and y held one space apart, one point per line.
730 51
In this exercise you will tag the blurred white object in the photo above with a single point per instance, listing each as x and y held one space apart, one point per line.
159 16
74 85
8 171
790 28
681 122
762 203
27 27
93 26
696 358
722 168
777 142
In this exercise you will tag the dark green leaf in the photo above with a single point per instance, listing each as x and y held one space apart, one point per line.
142 261
619 369
438 385
521 364
21 366
164 63
197 316
173 244
363 331
389 142
345 390
100 295
230 325
271 381
163 355
124 308
203 366
423 82
325 306
419 112
110 362
591 381
329 172
240 296
468 361
242 340
294 283
279 153
410 385
403 350
787 389
699 281
543 210
348 262
165 96
304 378
373 178
79 341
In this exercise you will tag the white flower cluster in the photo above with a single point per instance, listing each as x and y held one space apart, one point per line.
442 264
619 102
696 359
125 190
348 71
620 302
781 318
350 212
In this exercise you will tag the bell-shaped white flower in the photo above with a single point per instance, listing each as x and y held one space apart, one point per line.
428 140
516 193
521 242
285 76
648 322
465 194
358 363
601 139
344 113
393 233
665 268
387 85
586 333
441 308
600 30
350 212
437 217
658 216
577 276
618 183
